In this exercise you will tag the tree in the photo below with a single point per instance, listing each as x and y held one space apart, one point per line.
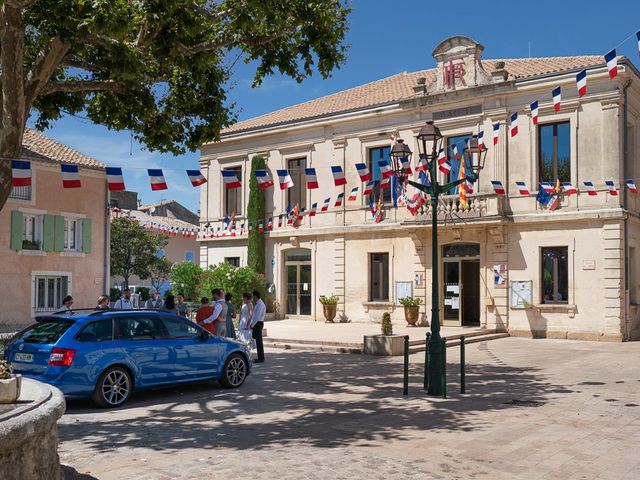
133 249
255 212
234 280
157 68
188 278
159 271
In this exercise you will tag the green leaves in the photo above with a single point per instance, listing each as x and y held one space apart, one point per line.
255 212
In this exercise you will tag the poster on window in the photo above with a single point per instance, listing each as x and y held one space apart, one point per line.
521 293
500 274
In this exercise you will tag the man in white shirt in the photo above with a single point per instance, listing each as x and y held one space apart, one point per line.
155 302
257 323
124 302
219 313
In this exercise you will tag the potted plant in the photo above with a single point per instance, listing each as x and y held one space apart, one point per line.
9 383
329 307
386 325
411 309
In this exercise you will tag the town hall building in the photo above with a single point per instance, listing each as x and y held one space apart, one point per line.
508 262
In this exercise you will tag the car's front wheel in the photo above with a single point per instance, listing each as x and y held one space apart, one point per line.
114 388
235 371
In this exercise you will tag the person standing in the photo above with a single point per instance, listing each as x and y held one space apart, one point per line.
169 305
218 316
155 302
124 302
103 302
183 309
204 312
67 302
231 313
257 324
244 329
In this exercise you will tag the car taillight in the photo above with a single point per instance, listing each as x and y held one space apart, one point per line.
61 357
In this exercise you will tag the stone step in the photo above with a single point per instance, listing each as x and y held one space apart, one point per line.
455 342
312 342
326 347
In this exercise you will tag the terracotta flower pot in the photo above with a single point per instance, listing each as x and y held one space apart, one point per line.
10 389
411 315
329 312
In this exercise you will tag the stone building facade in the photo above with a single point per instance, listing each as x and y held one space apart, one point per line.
507 263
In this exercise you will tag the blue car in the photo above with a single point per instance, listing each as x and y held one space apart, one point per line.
107 354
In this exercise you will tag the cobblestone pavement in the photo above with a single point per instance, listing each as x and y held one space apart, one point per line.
534 409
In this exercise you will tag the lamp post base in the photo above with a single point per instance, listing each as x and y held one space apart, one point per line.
435 365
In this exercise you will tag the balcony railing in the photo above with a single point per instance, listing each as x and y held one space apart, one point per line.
450 208
21 193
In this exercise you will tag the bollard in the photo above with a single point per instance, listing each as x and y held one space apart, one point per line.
462 379
405 383
444 368
426 361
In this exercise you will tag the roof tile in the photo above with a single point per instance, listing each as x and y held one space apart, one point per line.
40 147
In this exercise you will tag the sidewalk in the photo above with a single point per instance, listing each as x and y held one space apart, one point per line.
353 332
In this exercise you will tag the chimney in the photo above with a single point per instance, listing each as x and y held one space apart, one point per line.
421 86
499 74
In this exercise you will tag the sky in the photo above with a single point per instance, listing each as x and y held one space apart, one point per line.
383 42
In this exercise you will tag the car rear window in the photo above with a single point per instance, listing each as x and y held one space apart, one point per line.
47 331
99 331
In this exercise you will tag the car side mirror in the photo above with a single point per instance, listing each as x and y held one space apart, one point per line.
204 335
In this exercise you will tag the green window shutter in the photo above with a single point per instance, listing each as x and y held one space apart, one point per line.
86 235
47 233
58 233
16 230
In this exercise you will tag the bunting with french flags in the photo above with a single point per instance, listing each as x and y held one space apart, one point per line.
196 178
568 188
312 179
363 172
280 220
230 178
338 175
522 188
70 176
557 98
406 165
284 179
264 179
591 189
611 60
313 210
631 186
445 167
422 165
115 179
21 173
353 195
613 191
534 112
442 156
156 177
497 186
514 124
270 224
496 133
368 189
581 82
339 199
325 205
385 183
385 169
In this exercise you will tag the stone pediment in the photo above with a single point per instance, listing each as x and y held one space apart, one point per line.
459 65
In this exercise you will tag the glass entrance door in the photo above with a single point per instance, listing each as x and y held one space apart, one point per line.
461 284
451 284
298 282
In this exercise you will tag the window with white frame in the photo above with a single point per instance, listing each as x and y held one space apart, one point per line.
72 234
49 292
31 232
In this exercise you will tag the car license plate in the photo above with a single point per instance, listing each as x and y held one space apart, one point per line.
23 357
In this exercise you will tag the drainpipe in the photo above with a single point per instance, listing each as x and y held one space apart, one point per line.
625 170
107 243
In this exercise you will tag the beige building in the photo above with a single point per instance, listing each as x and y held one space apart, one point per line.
567 273
55 240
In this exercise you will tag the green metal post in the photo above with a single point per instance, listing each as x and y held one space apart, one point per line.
462 379
405 384
426 361
444 368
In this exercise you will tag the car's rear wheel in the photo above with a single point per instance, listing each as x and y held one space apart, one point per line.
114 388
235 371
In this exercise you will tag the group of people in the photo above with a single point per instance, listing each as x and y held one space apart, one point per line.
170 304
218 317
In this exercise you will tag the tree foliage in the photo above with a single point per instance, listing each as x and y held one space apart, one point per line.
188 278
133 249
235 280
159 271
255 212
159 68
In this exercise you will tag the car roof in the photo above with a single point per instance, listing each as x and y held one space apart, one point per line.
91 313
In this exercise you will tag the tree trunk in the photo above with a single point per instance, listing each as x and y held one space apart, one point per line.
12 77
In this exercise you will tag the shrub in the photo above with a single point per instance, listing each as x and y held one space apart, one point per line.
114 294
144 294
5 370
188 278
234 280
330 300
410 301
387 326
255 212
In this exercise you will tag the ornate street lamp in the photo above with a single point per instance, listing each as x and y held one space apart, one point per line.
401 160
429 143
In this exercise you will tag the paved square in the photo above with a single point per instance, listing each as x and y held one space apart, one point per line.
535 409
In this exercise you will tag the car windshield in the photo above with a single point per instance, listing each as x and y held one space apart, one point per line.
47 331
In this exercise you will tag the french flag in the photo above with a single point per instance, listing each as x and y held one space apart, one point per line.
442 156
497 187
280 220
612 63
314 208
612 187
445 167
481 144
312 179
547 187
591 189
631 186
456 155
363 172
534 112
264 180
250 228
285 179
301 214
522 188
21 171
156 177
260 226
422 163
339 200
385 169
270 224
568 188
496 133
70 176
338 175
514 124
557 97
385 183
115 180
325 205
231 179
196 178
368 189
353 195
581 82
406 165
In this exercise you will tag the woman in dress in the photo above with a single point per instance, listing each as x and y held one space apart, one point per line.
231 313
183 309
169 305
244 328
